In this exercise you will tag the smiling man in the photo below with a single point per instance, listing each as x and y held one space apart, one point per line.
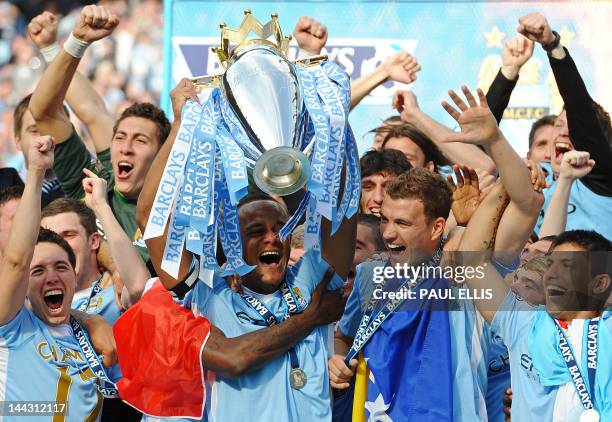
43 361
271 293
123 159
377 169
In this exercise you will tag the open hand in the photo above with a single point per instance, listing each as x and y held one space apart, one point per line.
466 193
477 123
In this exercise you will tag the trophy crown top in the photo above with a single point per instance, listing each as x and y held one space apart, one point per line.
249 25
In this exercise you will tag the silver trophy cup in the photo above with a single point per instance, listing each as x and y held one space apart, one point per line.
262 89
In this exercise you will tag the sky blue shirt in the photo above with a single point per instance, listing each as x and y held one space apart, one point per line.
102 304
33 367
265 393
469 344
512 322
585 211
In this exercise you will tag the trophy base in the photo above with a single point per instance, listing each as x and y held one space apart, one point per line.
281 171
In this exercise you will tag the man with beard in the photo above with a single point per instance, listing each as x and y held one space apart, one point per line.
296 381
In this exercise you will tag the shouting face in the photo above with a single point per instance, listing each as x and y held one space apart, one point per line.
52 283
260 221
133 149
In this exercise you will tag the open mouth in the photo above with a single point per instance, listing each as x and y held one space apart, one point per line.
561 148
375 211
124 169
395 248
54 299
555 291
270 257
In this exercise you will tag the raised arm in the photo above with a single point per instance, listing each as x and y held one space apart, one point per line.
86 103
46 104
516 53
406 103
15 268
575 165
400 67
480 236
585 128
180 94
478 126
129 264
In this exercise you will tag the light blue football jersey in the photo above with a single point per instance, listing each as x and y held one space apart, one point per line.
512 322
103 303
585 211
469 344
39 362
265 394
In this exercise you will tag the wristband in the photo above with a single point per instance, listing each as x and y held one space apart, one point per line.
50 52
75 47
189 282
554 43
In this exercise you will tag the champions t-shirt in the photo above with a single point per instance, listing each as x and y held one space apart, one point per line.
265 393
40 362
469 343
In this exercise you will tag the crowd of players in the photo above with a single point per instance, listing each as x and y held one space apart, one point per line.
73 256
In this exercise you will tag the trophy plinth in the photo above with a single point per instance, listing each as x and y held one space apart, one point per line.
281 171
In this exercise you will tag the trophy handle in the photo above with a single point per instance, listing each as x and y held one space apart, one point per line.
207 81
311 61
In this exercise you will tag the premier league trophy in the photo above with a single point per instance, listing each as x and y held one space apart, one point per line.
282 122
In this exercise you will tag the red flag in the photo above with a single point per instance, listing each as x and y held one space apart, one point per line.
159 346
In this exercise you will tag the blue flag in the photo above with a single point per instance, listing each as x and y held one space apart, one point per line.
410 362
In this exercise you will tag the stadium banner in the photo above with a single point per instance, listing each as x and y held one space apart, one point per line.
455 42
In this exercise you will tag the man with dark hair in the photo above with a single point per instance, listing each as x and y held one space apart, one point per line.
540 139
266 286
43 359
367 243
582 125
123 156
416 146
95 292
413 217
377 169
381 131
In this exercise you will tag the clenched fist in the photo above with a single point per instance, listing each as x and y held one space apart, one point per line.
43 29
94 23
535 27
310 34
40 154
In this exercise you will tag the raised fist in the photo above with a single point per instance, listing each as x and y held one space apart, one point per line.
40 154
401 67
310 34
94 23
535 27
43 29
183 91
575 165
516 53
